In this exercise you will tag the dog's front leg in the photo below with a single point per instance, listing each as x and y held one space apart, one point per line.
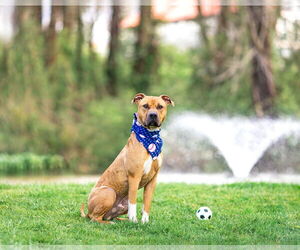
148 193
133 182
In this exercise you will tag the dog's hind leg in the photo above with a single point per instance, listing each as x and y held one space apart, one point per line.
100 220
119 208
122 219
101 200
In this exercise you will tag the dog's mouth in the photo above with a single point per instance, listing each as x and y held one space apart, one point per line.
152 124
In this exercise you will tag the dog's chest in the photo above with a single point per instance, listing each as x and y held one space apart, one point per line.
150 164
150 168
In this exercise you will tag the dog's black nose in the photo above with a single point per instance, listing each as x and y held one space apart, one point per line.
153 116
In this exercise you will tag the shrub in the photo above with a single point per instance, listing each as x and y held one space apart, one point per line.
28 163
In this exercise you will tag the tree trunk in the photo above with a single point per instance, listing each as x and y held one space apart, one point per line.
70 17
37 14
261 23
79 44
24 14
145 51
221 42
114 44
51 37
203 27
215 48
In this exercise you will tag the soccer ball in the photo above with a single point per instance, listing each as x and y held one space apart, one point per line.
204 213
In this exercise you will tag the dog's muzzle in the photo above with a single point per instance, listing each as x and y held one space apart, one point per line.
152 120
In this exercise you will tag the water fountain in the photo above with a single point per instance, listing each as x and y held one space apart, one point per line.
241 141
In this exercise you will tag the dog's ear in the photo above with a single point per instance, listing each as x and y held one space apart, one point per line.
137 98
167 99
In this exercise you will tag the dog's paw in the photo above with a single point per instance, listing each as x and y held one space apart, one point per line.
145 217
133 219
132 212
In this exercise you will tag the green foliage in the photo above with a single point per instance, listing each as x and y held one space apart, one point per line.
174 76
243 214
49 110
28 163
287 75
231 97
46 111
25 65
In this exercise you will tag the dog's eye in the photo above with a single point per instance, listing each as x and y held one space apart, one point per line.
146 106
159 106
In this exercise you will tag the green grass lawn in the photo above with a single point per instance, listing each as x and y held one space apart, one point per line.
248 213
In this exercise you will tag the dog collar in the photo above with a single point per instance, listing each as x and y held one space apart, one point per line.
149 138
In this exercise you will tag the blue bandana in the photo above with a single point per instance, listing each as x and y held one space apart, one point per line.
150 139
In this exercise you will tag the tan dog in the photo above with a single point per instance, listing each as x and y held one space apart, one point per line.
115 193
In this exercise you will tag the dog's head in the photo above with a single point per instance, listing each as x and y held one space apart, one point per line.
152 110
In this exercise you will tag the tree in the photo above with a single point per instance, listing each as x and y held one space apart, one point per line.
70 14
51 36
79 45
145 61
24 14
37 13
261 23
114 44
223 47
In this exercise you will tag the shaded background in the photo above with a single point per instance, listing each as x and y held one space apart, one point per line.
68 73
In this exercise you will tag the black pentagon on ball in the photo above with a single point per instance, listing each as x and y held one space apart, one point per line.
205 210
202 216
209 217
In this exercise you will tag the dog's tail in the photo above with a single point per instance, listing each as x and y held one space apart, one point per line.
82 211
